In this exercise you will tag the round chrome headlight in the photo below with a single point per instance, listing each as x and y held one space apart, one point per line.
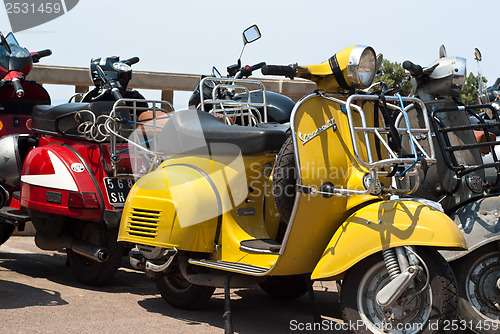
362 66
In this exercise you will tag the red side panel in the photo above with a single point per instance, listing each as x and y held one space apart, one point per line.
49 173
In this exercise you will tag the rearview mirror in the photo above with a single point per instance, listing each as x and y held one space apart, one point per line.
251 34
477 54
442 51
216 73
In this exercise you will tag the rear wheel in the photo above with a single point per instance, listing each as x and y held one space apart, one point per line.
478 278
429 312
285 179
285 287
89 271
6 231
182 294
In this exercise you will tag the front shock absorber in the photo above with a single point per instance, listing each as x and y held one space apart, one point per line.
391 262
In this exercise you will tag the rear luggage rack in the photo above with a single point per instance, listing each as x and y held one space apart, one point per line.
147 118
249 112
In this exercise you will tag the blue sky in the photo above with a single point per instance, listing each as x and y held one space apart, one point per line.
191 36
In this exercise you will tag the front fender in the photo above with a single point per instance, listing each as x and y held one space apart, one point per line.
480 222
384 225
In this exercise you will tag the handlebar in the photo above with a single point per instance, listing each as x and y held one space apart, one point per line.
131 61
415 70
246 71
116 94
35 56
18 88
256 66
281 70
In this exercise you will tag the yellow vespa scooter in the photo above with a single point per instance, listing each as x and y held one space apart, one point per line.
232 206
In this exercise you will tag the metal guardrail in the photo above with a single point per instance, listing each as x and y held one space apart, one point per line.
167 83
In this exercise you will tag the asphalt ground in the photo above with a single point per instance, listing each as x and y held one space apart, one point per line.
39 294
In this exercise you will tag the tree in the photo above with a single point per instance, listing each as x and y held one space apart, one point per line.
393 74
469 91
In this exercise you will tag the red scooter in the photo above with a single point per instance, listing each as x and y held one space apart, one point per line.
75 181
18 96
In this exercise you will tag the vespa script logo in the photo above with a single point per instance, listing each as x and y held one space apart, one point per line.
308 136
25 14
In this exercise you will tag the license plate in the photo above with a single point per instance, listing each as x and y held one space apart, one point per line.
117 190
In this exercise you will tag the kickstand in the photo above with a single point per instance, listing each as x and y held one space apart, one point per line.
228 319
316 314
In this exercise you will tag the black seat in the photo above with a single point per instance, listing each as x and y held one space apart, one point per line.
60 119
191 131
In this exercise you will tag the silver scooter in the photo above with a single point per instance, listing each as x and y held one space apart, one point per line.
458 183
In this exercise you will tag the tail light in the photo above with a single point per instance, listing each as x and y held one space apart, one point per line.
83 200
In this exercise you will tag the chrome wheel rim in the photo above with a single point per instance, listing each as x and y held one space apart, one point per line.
409 316
482 288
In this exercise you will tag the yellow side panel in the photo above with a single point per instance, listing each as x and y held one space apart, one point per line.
152 217
385 225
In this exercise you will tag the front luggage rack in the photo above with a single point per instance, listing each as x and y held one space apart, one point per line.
137 136
247 111
402 163
451 151
415 135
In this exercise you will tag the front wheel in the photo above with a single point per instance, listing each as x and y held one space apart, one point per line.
432 311
180 293
6 231
478 279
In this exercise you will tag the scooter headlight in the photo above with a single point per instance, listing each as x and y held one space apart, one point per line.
362 66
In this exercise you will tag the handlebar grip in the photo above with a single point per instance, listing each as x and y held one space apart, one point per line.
18 88
131 61
44 53
286 71
116 94
257 66
415 70
35 56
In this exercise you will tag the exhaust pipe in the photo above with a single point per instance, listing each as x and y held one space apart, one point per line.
90 251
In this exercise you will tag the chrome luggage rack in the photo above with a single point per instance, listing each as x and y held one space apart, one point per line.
414 138
140 135
451 151
232 111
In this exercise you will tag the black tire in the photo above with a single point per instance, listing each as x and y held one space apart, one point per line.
87 270
418 313
285 180
6 231
285 287
477 274
180 293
